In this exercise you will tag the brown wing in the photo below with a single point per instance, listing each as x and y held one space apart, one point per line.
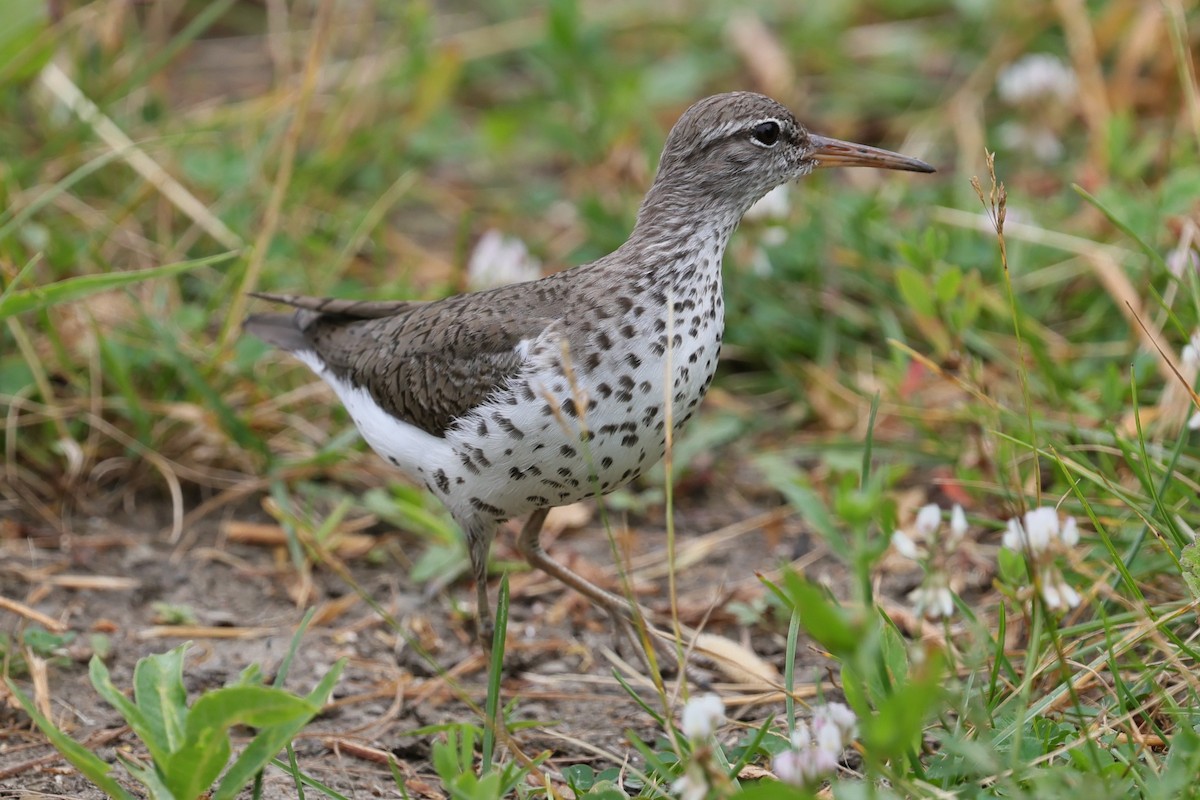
425 363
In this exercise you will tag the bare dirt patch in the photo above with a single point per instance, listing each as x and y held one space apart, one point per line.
110 577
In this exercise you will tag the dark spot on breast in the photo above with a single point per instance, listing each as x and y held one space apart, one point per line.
481 458
443 482
569 409
606 462
629 440
509 428
633 361
567 451
516 474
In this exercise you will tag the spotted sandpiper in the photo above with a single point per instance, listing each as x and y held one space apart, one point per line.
518 399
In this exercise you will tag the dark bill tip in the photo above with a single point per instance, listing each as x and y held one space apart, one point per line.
828 152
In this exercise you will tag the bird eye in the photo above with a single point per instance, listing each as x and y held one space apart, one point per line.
766 133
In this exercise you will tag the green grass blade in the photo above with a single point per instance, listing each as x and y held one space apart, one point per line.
1122 226
21 301
491 707
91 766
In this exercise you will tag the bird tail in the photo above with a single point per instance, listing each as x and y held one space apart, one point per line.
281 330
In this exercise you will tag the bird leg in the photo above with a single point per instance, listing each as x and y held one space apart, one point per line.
531 548
624 612
477 548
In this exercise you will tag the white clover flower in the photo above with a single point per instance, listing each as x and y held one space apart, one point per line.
905 546
692 785
816 748
1041 533
1194 423
1069 596
932 601
1043 143
1191 351
1069 535
499 260
773 206
929 519
1042 539
702 716
1037 77
838 716
958 523
1045 89
932 549
1050 595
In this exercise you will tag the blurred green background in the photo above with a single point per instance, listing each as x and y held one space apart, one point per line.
362 148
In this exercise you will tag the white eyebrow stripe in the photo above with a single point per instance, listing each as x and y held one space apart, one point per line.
724 130
733 126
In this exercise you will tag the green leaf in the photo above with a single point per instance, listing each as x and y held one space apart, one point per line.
149 777
193 767
947 284
25 21
159 692
133 716
898 723
579 778
272 739
783 476
1183 764
821 616
91 766
1189 560
772 790
21 301
914 289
